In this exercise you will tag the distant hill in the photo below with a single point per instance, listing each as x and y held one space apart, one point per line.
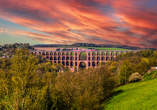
92 45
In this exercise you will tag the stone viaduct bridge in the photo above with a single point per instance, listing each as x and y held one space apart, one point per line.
73 58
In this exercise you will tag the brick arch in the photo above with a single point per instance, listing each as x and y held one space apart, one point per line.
93 58
84 57
43 53
94 53
47 53
108 53
103 58
63 58
73 57
82 66
51 58
63 62
51 53
98 58
67 63
55 53
59 53
59 57
67 53
71 63
67 58
63 53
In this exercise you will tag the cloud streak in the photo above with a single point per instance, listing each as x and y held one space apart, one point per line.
95 21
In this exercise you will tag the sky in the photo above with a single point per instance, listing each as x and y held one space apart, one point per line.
119 22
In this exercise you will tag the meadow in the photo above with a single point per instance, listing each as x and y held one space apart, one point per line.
107 49
134 96
97 48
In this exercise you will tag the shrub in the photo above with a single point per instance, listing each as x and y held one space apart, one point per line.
135 77
150 75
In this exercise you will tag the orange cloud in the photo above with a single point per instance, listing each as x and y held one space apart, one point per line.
95 21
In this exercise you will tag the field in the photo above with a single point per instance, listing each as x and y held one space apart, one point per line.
107 49
135 96
99 48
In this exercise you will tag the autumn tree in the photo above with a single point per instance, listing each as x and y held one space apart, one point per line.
21 92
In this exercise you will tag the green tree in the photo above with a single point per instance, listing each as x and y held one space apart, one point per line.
125 71
22 89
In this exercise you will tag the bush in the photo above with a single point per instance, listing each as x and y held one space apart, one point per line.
135 77
150 75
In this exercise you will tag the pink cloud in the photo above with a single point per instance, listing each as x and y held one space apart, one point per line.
95 21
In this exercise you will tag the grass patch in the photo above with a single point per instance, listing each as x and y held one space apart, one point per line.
135 96
107 49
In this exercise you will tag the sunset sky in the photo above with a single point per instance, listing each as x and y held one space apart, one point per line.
127 22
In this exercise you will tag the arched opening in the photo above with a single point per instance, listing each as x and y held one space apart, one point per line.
93 64
103 53
83 56
63 58
43 53
63 63
39 53
75 63
63 53
89 64
72 53
51 58
93 58
67 53
59 53
98 53
59 58
82 65
51 53
103 58
107 58
88 54
88 58
94 53
67 63
71 58
47 53
98 58
55 53
55 58
67 58
75 58
71 63
59 62
112 53
117 53
108 53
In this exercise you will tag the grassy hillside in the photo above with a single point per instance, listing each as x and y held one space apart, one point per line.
103 48
135 96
